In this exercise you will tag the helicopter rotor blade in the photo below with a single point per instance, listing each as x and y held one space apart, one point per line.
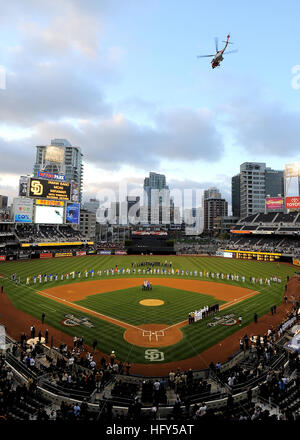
204 56
216 44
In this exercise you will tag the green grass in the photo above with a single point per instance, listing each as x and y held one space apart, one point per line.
124 304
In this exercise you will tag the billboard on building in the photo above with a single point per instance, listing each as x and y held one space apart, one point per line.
274 203
292 169
72 213
292 202
51 176
49 202
54 154
49 189
49 215
75 192
23 185
22 210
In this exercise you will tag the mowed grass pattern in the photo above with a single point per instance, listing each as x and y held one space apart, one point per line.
125 304
197 337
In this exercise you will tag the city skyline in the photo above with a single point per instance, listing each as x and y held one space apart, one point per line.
134 99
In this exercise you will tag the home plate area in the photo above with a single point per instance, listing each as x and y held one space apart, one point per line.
153 335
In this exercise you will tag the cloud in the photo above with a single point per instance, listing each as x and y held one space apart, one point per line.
264 128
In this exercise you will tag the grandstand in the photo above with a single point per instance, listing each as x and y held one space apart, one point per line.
273 232
259 382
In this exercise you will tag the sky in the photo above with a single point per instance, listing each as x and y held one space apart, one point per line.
121 79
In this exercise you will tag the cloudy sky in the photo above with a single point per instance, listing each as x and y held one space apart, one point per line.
121 79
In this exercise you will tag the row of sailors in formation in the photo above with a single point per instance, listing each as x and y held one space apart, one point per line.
112 271
203 313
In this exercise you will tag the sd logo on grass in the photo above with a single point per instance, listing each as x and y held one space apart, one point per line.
154 355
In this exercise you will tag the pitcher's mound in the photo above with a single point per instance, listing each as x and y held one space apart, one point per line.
152 302
153 335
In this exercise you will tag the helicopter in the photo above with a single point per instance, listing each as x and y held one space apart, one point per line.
218 56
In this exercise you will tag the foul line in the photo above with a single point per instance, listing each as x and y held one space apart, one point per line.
92 312
118 322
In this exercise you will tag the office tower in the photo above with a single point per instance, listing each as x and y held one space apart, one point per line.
214 207
67 162
92 205
235 196
3 202
158 198
274 183
256 183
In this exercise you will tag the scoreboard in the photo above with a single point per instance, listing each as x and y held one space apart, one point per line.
259 256
49 189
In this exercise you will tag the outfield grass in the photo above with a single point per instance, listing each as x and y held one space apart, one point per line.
124 305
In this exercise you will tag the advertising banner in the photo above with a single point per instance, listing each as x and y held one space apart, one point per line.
228 254
238 231
63 254
54 154
49 202
24 256
120 253
90 252
22 210
292 202
49 189
274 203
2 257
292 170
75 192
51 176
23 185
296 262
80 253
72 213
46 255
104 252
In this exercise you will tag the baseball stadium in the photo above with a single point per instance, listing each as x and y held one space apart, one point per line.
100 323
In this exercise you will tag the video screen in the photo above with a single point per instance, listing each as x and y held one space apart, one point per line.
49 215
72 213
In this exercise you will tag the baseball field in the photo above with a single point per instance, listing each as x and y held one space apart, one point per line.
143 327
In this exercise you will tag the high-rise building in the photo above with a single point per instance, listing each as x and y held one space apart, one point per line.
70 165
214 207
87 223
252 188
92 205
211 193
158 198
254 183
3 202
235 196
274 182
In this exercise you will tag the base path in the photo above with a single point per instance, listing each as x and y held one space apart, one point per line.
152 335
79 291
16 322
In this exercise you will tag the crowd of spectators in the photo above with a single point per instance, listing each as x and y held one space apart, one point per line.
110 245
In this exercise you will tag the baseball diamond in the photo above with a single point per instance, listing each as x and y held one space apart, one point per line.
110 305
